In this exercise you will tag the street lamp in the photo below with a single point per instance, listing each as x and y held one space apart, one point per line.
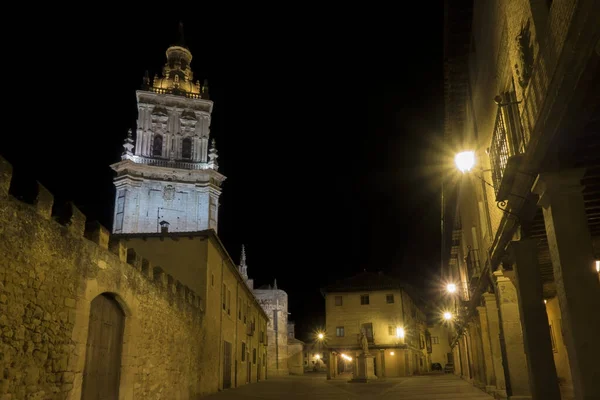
451 288
400 333
320 336
465 161
447 316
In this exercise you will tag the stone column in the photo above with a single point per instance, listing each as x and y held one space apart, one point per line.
577 286
493 323
330 365
516 361
486 348
543 381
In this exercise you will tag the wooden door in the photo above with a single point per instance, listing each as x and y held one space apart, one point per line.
102 369
249 369
226 365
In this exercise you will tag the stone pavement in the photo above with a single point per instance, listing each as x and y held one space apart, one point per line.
316 387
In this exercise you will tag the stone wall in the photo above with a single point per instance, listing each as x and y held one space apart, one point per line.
49 274
295 356
275 303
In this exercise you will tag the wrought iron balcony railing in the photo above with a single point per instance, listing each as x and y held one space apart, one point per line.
507 147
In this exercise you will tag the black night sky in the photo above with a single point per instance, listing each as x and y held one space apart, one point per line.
326 127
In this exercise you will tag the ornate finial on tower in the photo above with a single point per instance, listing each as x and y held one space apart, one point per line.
127 146
204 90
243 267
275 284
212 156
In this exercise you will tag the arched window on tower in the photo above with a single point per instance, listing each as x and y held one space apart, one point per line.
186 148
157 146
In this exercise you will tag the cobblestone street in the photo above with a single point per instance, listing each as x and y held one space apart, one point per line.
316 387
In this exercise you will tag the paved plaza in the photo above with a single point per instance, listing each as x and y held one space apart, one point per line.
316 387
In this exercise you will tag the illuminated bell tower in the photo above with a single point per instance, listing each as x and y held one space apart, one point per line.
168 178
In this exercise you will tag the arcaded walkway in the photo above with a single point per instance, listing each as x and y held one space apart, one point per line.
316 387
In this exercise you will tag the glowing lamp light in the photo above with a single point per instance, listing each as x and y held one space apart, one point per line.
391 353
447 316
598 266
451 288
400 333
317 356
320 336
346 357
465 160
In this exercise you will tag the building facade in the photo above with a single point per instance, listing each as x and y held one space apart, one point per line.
274 302
521 226
391 314
171 179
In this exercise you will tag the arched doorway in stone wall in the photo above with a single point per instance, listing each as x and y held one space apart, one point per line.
101 374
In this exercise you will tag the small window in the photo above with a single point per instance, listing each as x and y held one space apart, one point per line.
338 300
186 148
240 309
364 299
339 331
389 298
157 146
391 330
435 340
229 302
212 280
224 297
253 356
243 351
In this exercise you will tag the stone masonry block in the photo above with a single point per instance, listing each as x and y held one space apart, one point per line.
160 277
5 176
98 234
44 201
134 259
147 269
171 283
116 246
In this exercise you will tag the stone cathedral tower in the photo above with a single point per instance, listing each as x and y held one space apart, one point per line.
168 178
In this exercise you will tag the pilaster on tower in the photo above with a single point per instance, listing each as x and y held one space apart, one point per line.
169 174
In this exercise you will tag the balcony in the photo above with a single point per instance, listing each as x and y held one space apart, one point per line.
507 148
173 91
473 264
161 162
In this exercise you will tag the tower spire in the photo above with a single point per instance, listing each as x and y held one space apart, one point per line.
180 37
127 146
243 268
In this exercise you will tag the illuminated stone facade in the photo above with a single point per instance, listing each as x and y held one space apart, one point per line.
168 178
275 304
392 315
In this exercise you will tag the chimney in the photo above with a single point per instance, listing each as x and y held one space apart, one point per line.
164 227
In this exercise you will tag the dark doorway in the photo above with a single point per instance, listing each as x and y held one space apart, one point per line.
226 365
101 374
